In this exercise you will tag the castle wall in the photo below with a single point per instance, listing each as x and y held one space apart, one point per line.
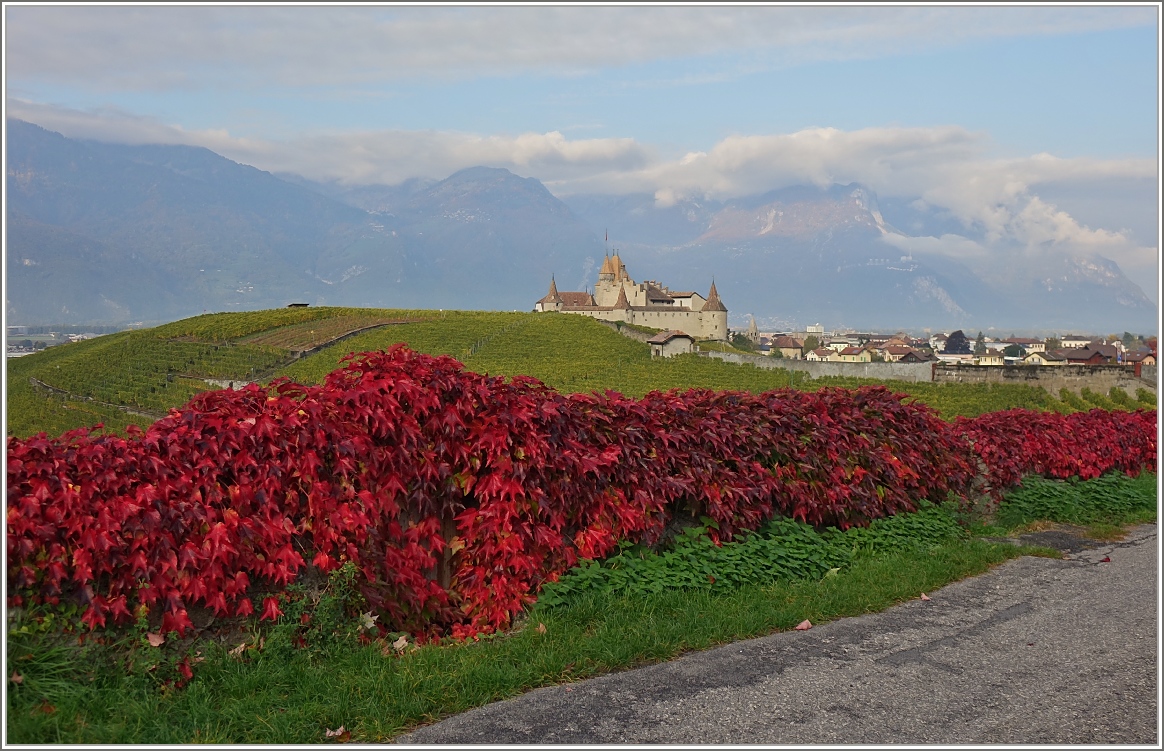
709 325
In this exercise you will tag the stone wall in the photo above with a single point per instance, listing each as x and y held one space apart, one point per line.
630 333
1098 378
881 371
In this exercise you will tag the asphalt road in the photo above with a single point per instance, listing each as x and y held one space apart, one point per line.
1035 651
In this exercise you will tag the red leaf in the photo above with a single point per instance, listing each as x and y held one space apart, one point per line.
271 609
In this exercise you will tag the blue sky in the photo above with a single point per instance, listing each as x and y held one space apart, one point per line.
1036 125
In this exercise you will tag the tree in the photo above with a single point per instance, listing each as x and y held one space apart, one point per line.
741 341
1014 350
1129 339
1053 344
980 344
775 352
810 344
957 344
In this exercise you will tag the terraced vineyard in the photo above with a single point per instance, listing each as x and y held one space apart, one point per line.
223 327
157 369
309 334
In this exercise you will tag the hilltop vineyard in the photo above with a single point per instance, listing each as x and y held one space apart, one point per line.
457 495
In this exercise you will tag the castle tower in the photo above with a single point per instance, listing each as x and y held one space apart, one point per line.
552 301
753 333
714 316
606 273
619 268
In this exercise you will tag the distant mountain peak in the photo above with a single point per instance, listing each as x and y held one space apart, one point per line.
797 213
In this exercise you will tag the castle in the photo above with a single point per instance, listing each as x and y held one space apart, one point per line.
617 297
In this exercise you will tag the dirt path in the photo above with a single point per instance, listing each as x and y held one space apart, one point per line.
1036 651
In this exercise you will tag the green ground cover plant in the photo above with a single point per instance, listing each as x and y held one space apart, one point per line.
781 549
125 691
252 684
1073 400
1097 400
1113 498
1120 398
1146 397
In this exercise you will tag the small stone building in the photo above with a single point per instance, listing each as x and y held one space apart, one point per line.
671 343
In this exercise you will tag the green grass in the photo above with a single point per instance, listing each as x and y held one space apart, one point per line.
146 369
575 354
116 692
285 699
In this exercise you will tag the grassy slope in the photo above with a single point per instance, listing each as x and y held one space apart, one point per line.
146 369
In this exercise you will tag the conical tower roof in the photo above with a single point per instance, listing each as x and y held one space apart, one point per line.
713 301
618 267
553 296
607 266
621 303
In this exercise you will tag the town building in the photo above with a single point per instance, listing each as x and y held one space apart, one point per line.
1044 358
1028 345
855 354
789 347
617 297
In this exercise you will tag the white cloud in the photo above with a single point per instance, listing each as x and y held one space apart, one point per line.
945 167
166 47
361 157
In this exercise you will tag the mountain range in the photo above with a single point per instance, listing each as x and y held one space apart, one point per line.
108 233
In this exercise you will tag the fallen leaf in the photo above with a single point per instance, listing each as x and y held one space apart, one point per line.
368 621
237 651
16 678
156 640
46 708
1106 559
924 598
341 734
400 643
711 578
833 572
804 625
456 544
541 628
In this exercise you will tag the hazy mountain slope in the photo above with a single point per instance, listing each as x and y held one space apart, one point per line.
55 275
109 233
216 234
804 254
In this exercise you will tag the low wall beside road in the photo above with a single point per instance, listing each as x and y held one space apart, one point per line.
881 371
1098 378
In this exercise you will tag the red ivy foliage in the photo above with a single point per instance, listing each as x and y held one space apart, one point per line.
458 494
1019 442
